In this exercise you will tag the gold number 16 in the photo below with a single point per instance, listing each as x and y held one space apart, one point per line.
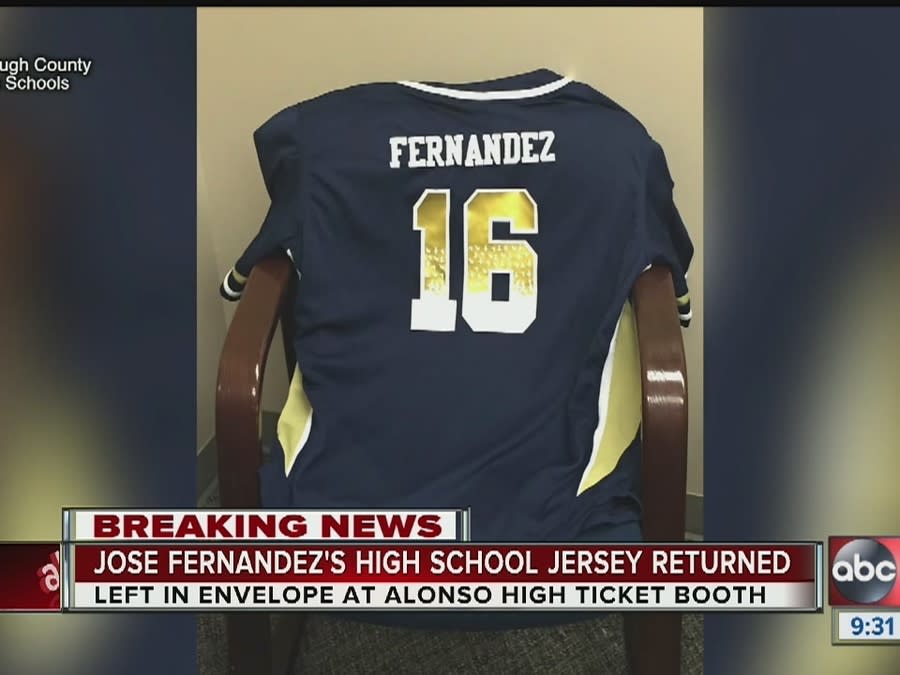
433 310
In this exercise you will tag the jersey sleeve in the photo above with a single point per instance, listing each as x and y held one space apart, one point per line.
666 239
279 161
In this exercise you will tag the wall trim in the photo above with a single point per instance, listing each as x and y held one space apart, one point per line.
694 514
207 467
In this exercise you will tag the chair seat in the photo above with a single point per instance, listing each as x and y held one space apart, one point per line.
332 645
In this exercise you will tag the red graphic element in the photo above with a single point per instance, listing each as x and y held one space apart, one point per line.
19 564
48 576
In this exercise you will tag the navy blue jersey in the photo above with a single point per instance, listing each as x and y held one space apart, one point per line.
464 336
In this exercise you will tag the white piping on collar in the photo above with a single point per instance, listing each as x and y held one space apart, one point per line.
489 95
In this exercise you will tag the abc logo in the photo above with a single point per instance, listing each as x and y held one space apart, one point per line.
864 571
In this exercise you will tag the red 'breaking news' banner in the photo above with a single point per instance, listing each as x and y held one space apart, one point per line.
31 577
83 525
410 563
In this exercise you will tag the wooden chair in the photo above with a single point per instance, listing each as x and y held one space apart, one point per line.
653 640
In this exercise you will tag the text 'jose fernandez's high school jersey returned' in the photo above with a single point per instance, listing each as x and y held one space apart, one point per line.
464 336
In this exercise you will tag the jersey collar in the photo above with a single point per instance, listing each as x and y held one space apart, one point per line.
503 89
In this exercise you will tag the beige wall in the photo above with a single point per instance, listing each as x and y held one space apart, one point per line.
253 62
211 321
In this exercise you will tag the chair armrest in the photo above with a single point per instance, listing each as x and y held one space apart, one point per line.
664 406
242 369
653 639
252 648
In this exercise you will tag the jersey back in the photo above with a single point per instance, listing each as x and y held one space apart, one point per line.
464 337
